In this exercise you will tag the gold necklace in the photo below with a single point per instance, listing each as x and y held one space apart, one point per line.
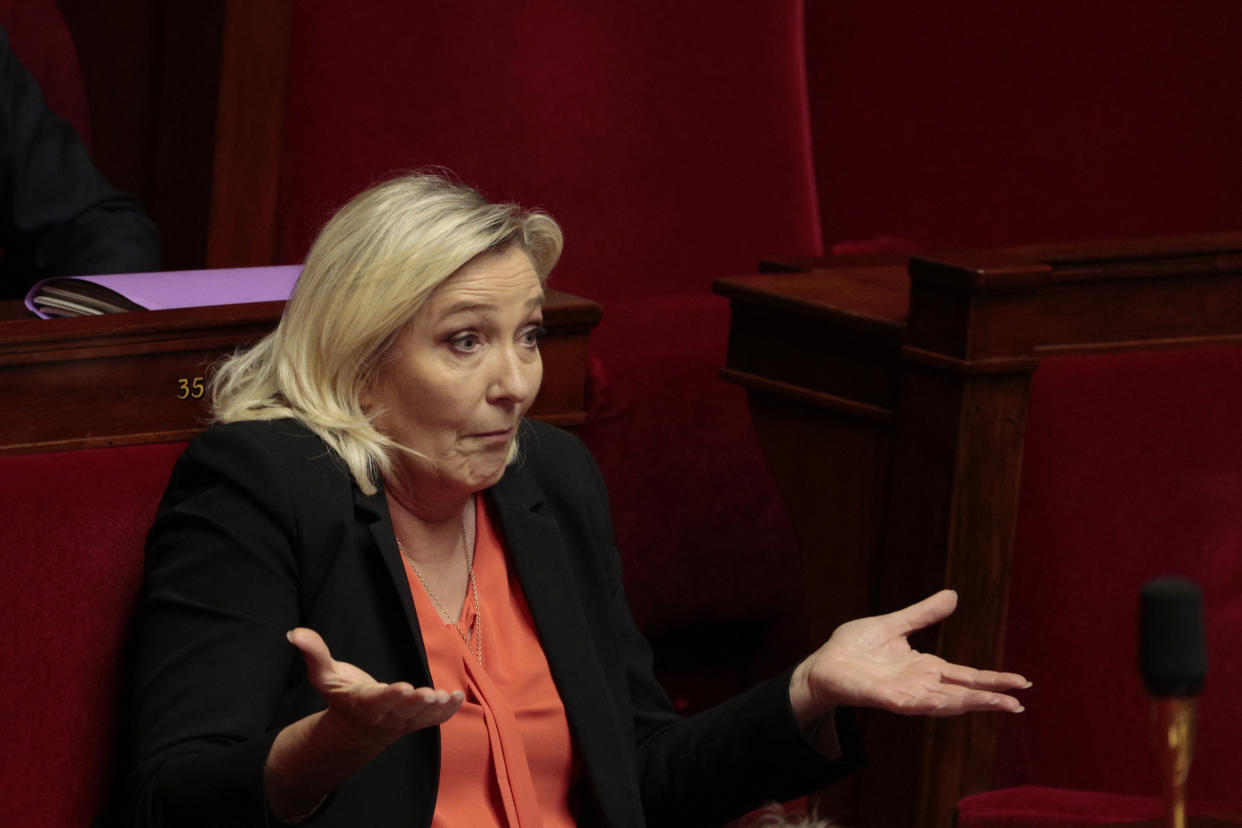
477 628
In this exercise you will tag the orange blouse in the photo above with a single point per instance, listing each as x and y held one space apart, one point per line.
506 757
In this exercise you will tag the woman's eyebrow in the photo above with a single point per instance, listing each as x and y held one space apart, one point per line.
488 307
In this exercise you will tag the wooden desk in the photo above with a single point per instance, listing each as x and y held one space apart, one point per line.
139 377
890 401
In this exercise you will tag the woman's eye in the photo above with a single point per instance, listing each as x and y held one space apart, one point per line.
465 342
531 336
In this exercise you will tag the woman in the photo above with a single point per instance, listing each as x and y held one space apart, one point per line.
372 495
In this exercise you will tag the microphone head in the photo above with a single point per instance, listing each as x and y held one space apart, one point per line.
1172 653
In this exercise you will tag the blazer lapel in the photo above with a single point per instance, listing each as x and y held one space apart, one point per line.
538 551
372 510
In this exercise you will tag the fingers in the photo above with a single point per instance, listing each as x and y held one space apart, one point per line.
930 610
376 701
439 706
951 700
975 701
982 679
406 702
402 708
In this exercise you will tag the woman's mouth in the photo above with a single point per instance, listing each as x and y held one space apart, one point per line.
498 436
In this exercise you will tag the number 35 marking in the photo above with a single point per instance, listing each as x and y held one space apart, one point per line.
190 388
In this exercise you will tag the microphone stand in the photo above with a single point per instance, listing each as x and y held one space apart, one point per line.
1175 730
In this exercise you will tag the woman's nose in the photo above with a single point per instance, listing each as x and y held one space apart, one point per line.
516 377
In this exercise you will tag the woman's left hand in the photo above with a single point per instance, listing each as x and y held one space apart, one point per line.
868 663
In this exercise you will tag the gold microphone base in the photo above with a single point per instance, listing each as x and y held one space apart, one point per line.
1175 735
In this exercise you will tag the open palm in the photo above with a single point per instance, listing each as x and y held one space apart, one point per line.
366 712
868 662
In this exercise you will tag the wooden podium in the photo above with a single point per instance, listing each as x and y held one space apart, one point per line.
890 400
139 377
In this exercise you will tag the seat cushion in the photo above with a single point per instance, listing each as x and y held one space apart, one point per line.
1034 806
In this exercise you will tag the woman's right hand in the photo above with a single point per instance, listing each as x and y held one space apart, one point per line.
367 713
313 756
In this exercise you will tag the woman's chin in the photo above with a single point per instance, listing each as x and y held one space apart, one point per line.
487 473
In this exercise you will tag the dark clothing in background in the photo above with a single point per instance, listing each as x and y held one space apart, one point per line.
58 216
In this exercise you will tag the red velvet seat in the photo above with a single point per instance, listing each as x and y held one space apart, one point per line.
72 528
1034 806
1132 469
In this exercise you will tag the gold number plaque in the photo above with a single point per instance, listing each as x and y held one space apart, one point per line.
190 388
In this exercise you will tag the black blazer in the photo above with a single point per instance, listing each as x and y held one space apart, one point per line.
261 529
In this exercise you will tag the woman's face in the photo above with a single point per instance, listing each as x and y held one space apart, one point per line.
460 375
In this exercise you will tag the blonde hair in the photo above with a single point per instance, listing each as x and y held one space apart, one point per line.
374 264
775 816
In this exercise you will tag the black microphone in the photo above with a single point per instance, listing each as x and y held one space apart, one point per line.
1173 662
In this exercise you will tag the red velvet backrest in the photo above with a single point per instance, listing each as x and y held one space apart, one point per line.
1104 120
41 40
72 527
670 139
1132 469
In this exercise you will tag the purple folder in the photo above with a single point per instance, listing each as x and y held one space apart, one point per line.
187 288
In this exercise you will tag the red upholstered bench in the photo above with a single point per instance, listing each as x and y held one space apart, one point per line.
1033 806
1132 469
72 527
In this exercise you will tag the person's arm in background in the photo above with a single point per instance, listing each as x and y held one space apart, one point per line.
58 215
